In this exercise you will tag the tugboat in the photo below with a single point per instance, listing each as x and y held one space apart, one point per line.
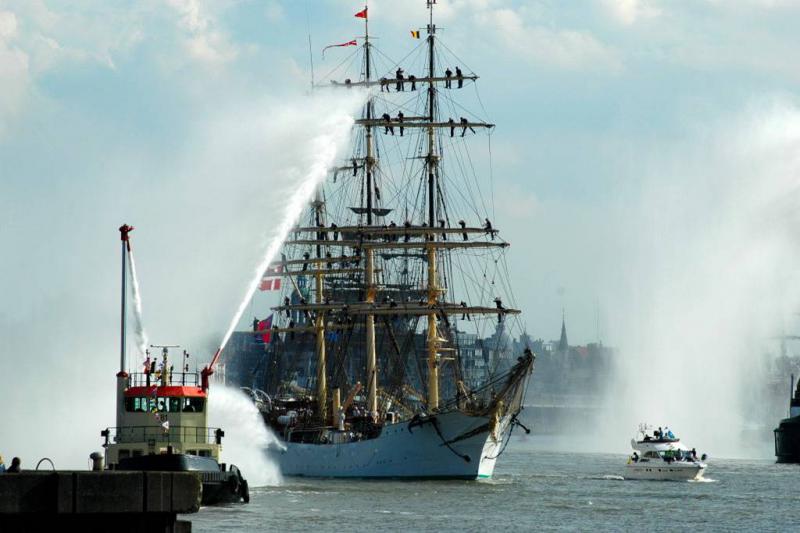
662 457
162 420
787 434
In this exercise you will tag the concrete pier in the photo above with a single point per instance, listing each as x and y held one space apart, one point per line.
121 502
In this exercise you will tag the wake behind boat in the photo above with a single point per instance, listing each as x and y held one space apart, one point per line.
662 456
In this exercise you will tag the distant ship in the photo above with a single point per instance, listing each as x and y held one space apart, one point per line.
787 434
371 356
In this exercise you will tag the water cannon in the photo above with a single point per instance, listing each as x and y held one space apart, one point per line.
209 369
124 230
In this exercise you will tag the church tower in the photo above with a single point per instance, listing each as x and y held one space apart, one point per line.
563 345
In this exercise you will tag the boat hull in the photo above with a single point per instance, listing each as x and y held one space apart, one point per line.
663 471
219 485
405 450
787 441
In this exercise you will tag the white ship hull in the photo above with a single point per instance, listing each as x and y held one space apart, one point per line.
400 452
676 471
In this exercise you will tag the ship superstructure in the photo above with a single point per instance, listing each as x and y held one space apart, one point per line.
383 281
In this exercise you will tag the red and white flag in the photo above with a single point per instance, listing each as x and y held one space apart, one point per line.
269 282
348 43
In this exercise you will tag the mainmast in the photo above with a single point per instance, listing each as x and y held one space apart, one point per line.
372 371
432 167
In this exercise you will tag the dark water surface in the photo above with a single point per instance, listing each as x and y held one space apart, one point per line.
531 490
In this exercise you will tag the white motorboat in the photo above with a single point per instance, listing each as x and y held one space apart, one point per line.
662 456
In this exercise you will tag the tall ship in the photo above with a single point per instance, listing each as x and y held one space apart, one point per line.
390 351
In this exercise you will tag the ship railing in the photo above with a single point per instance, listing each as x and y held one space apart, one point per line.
158 434
174 379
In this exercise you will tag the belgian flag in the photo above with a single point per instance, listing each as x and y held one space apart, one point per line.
415 34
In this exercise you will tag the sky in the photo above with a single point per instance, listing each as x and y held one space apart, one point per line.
642 148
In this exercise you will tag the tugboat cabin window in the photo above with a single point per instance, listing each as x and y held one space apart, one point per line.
193 405
164 405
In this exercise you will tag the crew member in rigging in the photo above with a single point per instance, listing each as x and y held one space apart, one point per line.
388 127
459 77
448 74
464 126
400 120
399 75
452 126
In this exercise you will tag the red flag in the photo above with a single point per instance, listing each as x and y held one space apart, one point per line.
266 325
362 14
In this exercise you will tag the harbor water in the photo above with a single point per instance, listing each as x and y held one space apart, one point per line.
532 489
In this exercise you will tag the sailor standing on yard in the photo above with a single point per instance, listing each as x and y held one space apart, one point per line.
465 125
386 118
399 75
448 74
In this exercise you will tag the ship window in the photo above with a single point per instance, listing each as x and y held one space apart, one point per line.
124 454
174 404
136 405
193 405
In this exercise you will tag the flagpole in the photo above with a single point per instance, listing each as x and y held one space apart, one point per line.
310 53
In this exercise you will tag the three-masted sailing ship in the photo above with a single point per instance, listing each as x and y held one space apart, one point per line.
369 361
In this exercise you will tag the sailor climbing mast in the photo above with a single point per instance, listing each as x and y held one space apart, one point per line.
372 366
432 167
